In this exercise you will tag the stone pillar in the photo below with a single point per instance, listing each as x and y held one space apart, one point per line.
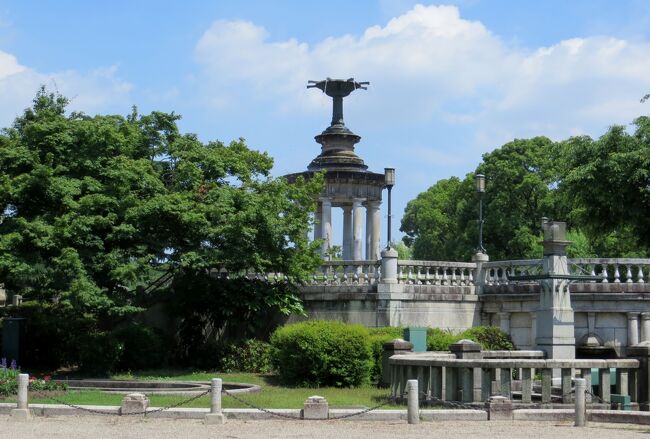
632 328
533 329
326 225
645 326
389 266
373 230
357 212
479 274
555 322
504 322
348 237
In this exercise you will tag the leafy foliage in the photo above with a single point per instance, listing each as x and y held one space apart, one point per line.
96 209
322 353
379 336
250 355
489 337
600 187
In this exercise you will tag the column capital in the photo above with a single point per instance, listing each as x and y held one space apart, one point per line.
373 204
357 202
645 315
633 316
325 200
504 314
347 207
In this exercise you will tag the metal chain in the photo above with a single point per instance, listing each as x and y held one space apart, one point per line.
388 401
119 412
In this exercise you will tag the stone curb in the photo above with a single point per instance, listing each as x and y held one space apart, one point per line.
253 414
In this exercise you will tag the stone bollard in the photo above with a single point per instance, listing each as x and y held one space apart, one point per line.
315 407
581 406
413 398
134 403
216 415
499 408
22 411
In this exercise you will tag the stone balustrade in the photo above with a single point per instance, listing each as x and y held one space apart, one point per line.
436 273
614 270
498 272
347 273
443 376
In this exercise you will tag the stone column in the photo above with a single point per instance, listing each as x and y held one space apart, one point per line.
504 321
357 212
632 328
373 230
318 217
533 329
326 225
645 326
348 237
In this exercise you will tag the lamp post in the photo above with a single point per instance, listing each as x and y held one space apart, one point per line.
389 181
480 190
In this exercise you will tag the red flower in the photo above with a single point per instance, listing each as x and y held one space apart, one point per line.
47 377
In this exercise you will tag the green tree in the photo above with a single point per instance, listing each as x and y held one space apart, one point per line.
96 208
433 222
608 182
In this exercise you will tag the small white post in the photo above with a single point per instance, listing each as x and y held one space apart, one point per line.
215 416
413 410
22 411
581 406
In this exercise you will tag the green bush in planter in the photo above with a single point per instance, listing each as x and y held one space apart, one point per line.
322 353
440 339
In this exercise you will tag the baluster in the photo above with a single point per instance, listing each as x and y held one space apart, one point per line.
593 272
427 276
410 275
436 276
365 276
617 275
462 276
640 275
401 276
416 275
453 275
502 276
345 275
444 276
628 275
355 277
605 280
377 274
470 277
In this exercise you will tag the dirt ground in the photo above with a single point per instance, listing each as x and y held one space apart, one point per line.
113 427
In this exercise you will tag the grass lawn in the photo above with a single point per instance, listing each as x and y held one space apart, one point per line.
272 395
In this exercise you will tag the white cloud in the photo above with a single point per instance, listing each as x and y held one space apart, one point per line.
92 91
423 63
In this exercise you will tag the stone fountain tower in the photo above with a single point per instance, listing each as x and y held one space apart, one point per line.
348 183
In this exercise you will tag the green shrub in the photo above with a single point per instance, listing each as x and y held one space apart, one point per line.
440 339
379 336
322 353
253 356
490 338
143 347
99 353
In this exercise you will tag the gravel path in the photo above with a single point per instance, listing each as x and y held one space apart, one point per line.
99 427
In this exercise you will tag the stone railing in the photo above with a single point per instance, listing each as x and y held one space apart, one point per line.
498 272
347 273
442 376
612 270
615 270
435 273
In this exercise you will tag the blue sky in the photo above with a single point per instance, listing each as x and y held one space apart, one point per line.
448 81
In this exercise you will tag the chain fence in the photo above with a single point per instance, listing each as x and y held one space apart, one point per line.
119 412
388 400
425 398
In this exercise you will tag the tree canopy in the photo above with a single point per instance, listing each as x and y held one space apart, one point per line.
601 187
96 208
